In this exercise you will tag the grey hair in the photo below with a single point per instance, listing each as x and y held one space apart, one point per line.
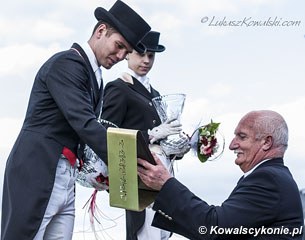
272 123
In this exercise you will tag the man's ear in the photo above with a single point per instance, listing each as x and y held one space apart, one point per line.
268 142
100 29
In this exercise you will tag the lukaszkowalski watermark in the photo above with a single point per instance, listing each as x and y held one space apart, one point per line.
249 22
215 230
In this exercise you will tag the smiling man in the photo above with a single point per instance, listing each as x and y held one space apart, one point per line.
265 204
38 192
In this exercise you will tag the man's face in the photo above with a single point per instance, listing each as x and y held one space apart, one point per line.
111 48
141 63
249 150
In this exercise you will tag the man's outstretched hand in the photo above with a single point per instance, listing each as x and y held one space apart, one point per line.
154 176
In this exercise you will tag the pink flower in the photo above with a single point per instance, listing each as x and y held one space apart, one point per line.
207 144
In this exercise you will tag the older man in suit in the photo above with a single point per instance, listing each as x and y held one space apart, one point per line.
265 204
38 192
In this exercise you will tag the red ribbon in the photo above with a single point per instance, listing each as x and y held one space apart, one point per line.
69 155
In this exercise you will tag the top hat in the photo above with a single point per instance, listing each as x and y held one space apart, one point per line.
127 22
151 42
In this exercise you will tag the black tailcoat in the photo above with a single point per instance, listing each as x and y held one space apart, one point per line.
62 111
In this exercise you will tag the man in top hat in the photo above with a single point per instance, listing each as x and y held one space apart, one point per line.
38 192
128 104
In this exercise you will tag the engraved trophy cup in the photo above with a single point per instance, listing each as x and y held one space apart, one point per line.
169 107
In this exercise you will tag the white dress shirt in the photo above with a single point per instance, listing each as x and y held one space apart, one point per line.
250 171
93 62
142 79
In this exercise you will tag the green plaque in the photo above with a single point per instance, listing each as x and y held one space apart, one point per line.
126 190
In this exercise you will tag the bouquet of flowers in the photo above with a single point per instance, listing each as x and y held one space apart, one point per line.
207 142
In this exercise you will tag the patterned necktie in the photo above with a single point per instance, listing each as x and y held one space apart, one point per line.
145 81
99 78
98 75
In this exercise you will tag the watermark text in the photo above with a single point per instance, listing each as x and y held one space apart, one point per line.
215 230
249 22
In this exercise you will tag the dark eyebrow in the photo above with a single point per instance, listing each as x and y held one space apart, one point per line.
122 45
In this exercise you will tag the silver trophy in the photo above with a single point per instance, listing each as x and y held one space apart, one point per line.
170 107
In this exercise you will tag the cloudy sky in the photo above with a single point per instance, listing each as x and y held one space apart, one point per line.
228 57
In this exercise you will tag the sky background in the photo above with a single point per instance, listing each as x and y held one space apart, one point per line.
225 72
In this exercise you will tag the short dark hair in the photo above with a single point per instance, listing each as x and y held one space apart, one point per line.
110 28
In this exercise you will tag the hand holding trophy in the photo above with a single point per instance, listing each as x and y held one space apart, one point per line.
169 108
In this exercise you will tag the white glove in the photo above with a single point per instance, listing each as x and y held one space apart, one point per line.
178 147
169 127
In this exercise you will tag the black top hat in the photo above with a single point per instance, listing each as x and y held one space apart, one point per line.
151 42
127 22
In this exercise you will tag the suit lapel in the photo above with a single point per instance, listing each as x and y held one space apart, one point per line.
139 88
96 93
154 93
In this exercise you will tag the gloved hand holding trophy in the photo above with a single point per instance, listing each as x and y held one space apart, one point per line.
172 141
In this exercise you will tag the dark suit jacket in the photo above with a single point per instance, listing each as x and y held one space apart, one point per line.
267 197
130 106
62 110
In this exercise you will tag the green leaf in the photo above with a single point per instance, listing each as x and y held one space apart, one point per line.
207 131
